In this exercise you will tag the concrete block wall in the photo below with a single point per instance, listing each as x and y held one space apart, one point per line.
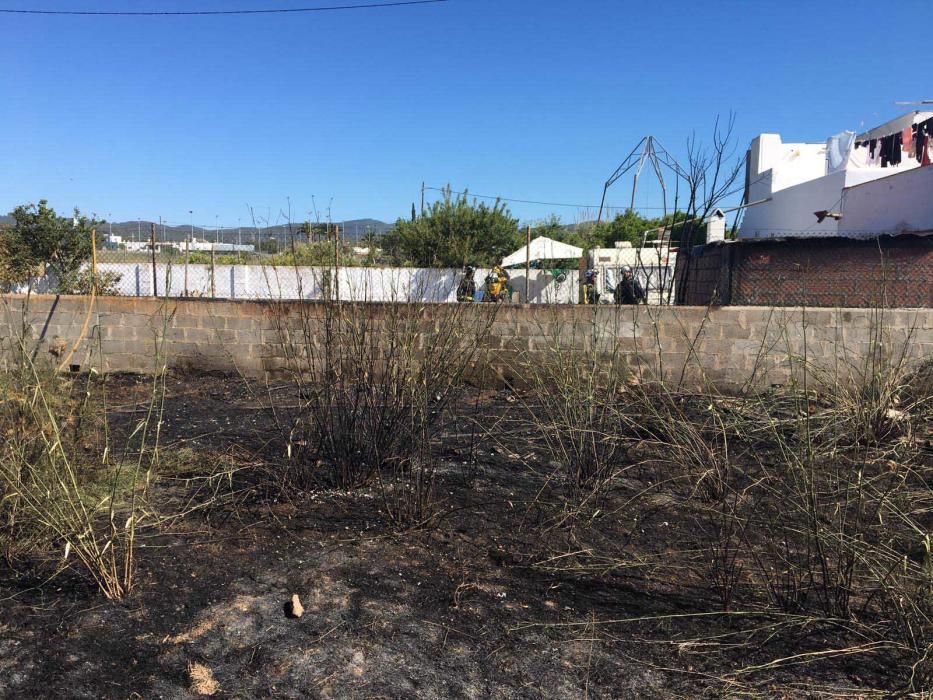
728 346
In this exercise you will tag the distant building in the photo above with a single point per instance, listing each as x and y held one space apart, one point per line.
114 241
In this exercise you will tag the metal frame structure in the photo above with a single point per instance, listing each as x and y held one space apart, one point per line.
647 150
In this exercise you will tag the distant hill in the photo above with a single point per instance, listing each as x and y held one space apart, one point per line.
130 230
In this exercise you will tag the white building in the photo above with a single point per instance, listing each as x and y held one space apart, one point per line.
860 185
114 241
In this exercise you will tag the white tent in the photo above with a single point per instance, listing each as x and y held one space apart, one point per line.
543 248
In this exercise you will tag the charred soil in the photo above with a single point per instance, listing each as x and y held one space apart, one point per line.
500 594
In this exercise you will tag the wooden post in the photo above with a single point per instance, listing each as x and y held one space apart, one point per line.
186 265
337 262
93 261
213 292
152 243
527 263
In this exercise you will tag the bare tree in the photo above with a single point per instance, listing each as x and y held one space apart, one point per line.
713 172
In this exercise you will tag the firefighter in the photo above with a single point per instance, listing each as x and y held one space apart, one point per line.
497 285
590 291
629 289
466 290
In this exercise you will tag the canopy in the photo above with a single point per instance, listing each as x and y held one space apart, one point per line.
543 248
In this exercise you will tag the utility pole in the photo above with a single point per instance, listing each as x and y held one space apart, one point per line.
422 198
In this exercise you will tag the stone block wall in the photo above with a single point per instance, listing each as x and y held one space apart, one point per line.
731 347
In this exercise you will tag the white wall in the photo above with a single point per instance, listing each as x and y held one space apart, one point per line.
355 283
790 211
897 203
789 163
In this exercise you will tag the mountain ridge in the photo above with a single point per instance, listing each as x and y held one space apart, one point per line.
352 230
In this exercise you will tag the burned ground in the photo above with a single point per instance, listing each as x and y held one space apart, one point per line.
502 594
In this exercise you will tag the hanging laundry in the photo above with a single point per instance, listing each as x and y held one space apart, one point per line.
897 143
872 146
926 160
907 139
838 148
886 143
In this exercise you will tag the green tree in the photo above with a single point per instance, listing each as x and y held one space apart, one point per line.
628 226
38 237
552 227
455 232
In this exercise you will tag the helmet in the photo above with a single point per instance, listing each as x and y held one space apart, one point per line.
626 270
590 274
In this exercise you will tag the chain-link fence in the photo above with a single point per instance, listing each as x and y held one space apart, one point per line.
298 264
893 271
317 262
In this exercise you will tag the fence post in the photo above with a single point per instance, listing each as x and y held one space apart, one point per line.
186 265
527 263
93 261
213 289
337 262
152 245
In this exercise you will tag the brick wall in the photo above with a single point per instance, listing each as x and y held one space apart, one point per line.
728 346
831 272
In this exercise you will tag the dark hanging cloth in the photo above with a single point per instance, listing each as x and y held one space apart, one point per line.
886 143
871 147
897 146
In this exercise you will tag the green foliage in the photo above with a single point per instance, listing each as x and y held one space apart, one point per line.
319 254
85 281
628 226
454 232
39 236
553 228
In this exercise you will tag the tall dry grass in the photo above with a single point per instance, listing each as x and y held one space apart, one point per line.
810 500
69 496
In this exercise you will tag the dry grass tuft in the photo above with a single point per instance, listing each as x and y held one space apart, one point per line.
202 680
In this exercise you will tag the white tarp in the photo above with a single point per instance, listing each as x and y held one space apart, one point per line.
543 248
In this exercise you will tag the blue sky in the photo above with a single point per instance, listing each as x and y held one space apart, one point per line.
532 99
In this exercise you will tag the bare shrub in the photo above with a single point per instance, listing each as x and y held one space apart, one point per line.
575 382
373 385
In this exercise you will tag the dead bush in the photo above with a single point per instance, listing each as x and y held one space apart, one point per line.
373 385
